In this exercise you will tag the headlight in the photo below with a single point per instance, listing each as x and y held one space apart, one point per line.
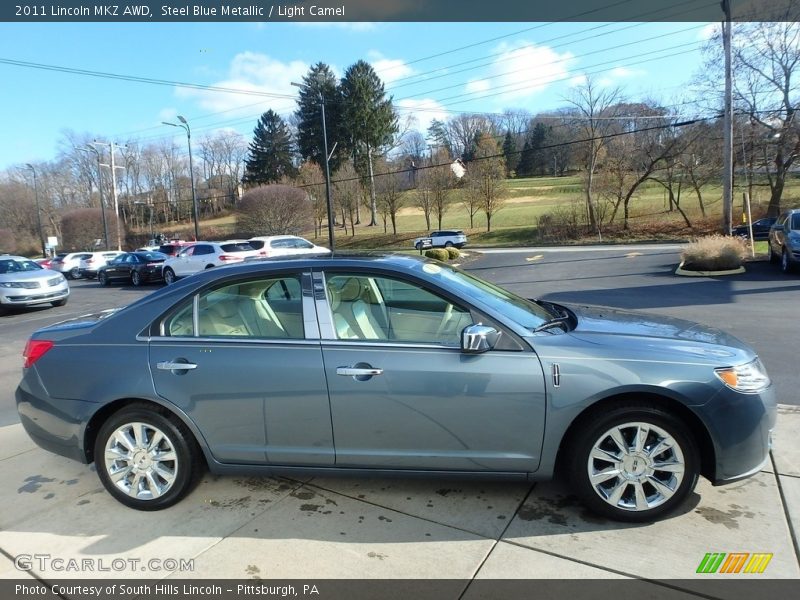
748 378
11 284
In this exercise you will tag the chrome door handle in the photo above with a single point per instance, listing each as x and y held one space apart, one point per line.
175 366
357 372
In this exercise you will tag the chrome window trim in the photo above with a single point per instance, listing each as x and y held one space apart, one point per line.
234 340
196 315
323 307
386 344
310 323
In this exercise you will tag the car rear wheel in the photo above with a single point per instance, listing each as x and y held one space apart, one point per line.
136 278
448 244
634 462
169 276
74 273
61 302
103 279
146 460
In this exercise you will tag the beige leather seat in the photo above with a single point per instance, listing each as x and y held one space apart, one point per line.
352 312
223 318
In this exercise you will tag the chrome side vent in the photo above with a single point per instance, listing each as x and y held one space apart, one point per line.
556 375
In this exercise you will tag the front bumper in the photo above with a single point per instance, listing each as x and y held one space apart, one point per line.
27 297
740 426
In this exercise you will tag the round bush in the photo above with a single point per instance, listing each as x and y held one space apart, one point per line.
438 254
452 253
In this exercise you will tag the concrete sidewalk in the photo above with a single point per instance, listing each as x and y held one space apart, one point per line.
393 529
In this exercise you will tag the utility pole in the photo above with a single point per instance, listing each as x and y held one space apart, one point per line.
91 148
112 147
727 175
38 212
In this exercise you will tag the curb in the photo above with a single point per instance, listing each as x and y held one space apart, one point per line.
686 273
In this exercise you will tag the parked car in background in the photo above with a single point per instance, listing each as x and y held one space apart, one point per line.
43 262
285 245
760 229
394 363
69 264
136 268
173 247
784 241
91 265
443 239
205 255
24 283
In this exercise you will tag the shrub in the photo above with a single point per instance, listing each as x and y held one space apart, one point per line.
438 254
714 253
452 253
274 210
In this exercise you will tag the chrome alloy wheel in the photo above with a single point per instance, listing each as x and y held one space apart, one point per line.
141 461
636 466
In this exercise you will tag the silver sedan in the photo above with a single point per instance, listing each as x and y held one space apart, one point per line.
25 283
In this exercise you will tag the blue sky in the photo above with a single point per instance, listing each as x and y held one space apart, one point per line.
533 66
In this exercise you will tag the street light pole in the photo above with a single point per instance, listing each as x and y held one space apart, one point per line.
100 190
185 125
327 163
38 212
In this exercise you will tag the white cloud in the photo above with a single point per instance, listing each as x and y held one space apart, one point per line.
422 111
522 70
709 31
577 81
250 72
388 69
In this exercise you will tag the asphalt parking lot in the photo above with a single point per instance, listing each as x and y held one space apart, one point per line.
249 528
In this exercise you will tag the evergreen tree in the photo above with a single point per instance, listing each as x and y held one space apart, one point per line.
270 157
538 140
525 164
310 143
369 118
510 153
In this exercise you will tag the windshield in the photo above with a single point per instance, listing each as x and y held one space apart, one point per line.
528 314
18 266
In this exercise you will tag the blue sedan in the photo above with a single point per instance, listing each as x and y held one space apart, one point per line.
394 364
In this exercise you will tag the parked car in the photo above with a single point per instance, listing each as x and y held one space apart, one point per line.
443 239
394 363
285 245
784 241
136 268
205 255
24 283
91 265
760 229
69 263
43 262
173 247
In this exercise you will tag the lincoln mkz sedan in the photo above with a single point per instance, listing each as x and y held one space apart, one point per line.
394 364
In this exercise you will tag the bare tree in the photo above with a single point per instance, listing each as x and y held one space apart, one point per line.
310 178
440 180
597 111
274 210
390 197
486 177
349 193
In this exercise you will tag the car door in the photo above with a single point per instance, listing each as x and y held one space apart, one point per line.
404 396
253 384
116 267
182 263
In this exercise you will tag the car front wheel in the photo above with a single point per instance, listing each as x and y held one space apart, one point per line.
145 459
61 302
786 262
633 463
169 276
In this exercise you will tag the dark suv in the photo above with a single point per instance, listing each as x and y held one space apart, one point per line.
784 240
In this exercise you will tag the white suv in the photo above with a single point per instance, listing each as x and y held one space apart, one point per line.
91 265
204 255
443 239
285 245
69 264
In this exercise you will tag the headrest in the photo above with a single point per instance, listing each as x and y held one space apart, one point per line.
351 290
334 298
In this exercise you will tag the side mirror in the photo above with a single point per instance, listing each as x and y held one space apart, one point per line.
478 338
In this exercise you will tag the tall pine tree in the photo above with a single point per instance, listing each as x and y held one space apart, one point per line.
320 80
270 158
510 153
369 118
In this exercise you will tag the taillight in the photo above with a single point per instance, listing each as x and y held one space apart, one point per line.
155 264
228 258
34 350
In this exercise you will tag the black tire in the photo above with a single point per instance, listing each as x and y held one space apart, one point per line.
103 279
177 440
622 418
169 276
61 302
136 278
209 267
774 259
74 273
448 244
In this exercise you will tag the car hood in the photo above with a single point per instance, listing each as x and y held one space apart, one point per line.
640 332
38 275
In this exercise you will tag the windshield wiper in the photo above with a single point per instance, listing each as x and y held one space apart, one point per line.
554 322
